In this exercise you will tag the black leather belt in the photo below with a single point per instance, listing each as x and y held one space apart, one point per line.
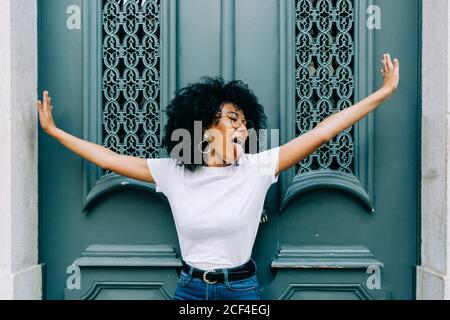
218 275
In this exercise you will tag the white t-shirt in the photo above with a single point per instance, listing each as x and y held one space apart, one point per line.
217 210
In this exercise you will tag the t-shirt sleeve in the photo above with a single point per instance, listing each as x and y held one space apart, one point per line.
162 170
267 164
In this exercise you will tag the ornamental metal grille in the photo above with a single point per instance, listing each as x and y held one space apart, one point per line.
130 83
324 77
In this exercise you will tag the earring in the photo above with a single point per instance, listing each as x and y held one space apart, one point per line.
199 147
206 138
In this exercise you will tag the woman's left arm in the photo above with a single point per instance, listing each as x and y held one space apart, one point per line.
299 148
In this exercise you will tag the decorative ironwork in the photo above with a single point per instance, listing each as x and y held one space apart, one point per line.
131 78
325 77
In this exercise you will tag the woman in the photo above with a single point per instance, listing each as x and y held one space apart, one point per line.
215 189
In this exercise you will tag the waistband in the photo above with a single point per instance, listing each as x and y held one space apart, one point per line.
222 275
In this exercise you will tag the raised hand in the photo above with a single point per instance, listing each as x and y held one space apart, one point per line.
390 72
45 113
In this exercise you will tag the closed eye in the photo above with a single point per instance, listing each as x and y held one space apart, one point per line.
234 116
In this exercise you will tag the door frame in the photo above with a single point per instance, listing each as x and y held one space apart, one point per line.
432 269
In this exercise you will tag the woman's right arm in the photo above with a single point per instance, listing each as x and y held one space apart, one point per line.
107 159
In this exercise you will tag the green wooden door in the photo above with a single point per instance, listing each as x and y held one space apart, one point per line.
341 225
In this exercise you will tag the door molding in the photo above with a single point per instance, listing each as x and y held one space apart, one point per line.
359 184
148 271
95 183
311 272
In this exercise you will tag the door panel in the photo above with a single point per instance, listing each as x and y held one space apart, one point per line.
339 224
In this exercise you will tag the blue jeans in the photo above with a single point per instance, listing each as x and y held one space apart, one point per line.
190 288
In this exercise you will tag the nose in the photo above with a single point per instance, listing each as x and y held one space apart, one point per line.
242 125
242 128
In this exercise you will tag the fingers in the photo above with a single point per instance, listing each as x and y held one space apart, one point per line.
383 65
396 65
46 99
388 64
46 105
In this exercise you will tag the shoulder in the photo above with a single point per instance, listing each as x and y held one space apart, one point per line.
265 162
261 158
164 164
168 161
165 173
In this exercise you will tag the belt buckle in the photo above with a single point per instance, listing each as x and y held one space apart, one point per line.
204 276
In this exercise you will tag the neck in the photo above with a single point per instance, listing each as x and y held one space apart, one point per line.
215 161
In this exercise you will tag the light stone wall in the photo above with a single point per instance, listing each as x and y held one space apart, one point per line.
20 274
433 280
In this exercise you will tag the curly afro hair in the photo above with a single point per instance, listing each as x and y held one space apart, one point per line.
202 101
